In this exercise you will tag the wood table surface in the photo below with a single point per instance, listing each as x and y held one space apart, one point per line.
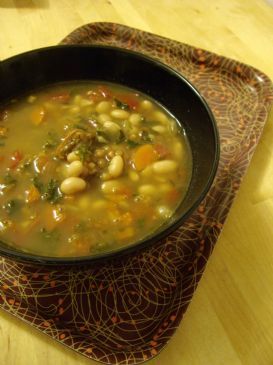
230 319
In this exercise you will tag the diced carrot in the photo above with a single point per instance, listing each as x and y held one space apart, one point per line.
172 196
37 115
52 217
32 195
16 157
144 156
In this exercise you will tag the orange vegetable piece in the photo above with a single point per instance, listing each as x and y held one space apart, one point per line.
161 150
32 195
37 115
52 217
172 196
144 156
16 157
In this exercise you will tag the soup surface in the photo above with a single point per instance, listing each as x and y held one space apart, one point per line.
87 168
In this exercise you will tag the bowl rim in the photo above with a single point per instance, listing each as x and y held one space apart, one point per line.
32 258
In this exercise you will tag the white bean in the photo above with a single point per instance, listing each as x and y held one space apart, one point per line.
85 102
146 105
160 117
164 166
147 172
120 114
110 186
75 168
159 129
103 107
178 150
147 189
116 166
73 156
135 119
72 185
102 118
111 127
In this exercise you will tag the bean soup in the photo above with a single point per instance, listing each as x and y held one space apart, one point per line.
87 168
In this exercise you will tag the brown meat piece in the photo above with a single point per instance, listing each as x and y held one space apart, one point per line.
72 140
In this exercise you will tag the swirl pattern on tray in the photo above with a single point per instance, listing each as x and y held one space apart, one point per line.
124 312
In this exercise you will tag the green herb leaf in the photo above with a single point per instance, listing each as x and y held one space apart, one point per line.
52 192
122 105
83 151
52 141
145 136
38 184
50 235
12 206
9 179
121 137
80 125
133 144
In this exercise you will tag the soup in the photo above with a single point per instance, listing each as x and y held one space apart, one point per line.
88 168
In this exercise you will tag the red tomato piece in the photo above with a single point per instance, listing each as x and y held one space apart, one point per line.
105 91
132 100
16 157
161 150
61 97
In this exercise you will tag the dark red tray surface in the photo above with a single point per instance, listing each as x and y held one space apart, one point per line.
127 310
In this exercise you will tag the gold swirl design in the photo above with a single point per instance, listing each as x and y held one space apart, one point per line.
124 312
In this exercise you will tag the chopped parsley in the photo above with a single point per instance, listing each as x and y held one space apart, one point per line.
9 179
52 141
83 151
122 105
50 191
50 235
12 206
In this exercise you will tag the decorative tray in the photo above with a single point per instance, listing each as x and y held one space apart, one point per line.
126 311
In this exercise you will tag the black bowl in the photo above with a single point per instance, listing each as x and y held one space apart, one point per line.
25 72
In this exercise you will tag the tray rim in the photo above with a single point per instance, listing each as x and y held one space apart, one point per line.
268 104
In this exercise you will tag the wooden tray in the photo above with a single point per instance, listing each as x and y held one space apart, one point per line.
126 311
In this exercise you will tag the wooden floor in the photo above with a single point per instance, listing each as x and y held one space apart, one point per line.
230 320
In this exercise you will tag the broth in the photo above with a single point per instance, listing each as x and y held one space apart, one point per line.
88 168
